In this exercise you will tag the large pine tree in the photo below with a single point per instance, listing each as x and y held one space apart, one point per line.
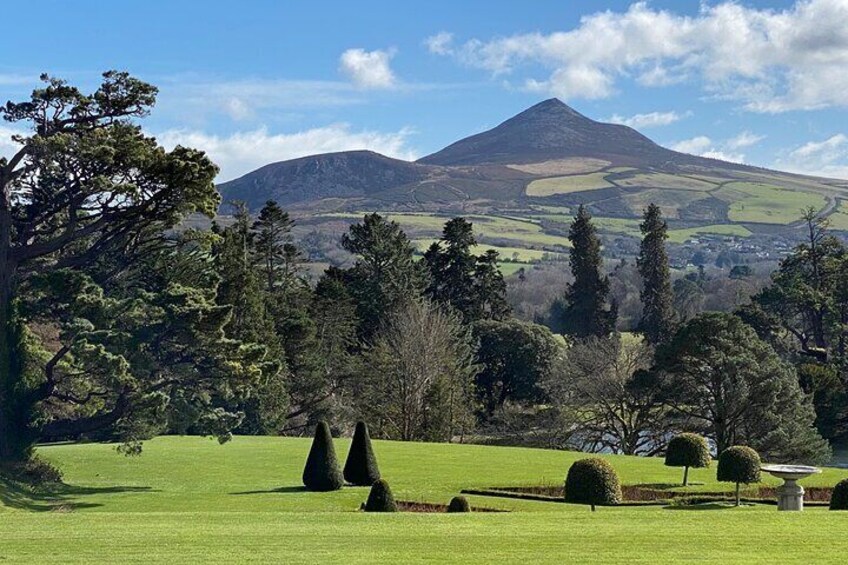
657 322
586 312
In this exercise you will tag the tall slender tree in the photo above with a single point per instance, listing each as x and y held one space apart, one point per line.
586 312
657 322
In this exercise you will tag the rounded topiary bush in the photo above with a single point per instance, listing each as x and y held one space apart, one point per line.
380 499
361 466
592 481
738 464
687 450
839 498
459 504
322 472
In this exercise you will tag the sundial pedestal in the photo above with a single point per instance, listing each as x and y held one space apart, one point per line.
791 495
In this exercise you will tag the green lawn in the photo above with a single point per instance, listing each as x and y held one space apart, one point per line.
191 500
681 235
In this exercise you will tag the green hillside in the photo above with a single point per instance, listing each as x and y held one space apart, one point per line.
189 500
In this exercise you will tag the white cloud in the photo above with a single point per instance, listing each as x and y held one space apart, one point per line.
368 69
827 158
7 146
744 139
652 119
770 60
703 146
694 146
243 152
440 44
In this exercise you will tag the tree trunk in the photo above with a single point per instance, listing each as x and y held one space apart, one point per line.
9 342
685 475
737 494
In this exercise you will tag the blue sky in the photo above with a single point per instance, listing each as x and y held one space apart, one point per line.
253 82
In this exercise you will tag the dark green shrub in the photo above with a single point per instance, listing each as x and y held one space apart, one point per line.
322 472
459 504
380 499
738 464
32 472
687 450
839 498
361 466
592 481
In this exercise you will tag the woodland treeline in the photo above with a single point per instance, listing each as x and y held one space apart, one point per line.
118 324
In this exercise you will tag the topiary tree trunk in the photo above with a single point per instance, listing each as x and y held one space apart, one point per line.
361 466
737 494
322 472
686 475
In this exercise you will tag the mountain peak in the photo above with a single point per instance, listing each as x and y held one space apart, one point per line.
548 130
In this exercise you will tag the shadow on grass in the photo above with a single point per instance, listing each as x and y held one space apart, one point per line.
55 498
704 506
281 490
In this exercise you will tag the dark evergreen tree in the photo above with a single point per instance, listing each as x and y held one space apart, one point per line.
489 289
585 311
451 265
322 472
738 464
272 247
592 481
381 499
361 466
385 274
657 322
839 497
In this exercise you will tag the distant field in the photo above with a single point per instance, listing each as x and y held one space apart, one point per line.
569 166
507 254
191 500
767 204
839 219
680 236
663 180
566 185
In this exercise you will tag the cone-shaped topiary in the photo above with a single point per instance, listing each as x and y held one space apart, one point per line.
738 464
322 472
839 498
380 499
459 504
592 481
687 450
361 466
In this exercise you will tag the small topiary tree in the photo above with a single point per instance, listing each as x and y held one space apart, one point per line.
361 466
687 450
592 481
459 504
739 464
322 472
380 499
839 498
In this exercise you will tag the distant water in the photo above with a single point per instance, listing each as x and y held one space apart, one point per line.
840 456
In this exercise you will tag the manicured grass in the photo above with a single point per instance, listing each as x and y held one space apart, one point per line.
566 185
767 204
191 500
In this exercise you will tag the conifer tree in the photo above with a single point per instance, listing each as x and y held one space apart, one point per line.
586 312
361 466
322 472
657 322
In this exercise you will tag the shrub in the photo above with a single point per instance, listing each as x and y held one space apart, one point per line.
322 472
687 450
459 504
839 498
32 472
380 499
739 464
361 466
592 481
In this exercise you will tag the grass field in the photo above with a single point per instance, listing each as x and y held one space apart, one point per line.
682 235
839 218
191 500
766 204
566 185
663 180
506 254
